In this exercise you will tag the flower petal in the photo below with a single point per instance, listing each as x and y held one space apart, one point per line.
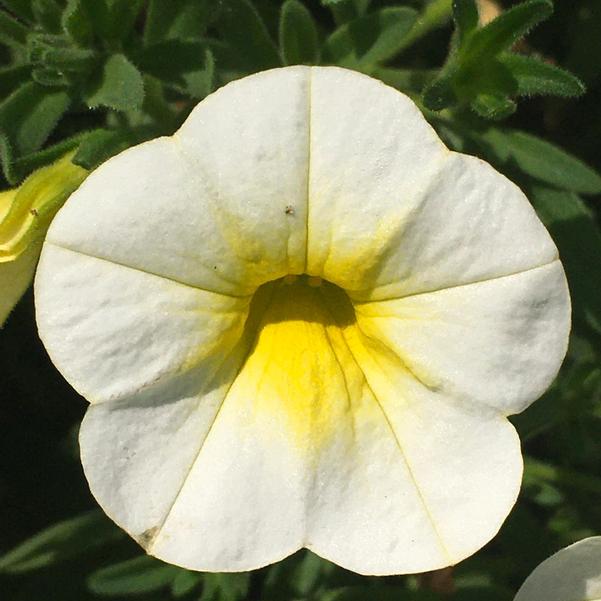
572 574
115 330
499 342
392 212
312 443
220 206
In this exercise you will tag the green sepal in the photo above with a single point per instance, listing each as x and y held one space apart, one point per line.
493 107
12 77
299 43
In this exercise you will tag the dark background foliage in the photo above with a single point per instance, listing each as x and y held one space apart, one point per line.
100 75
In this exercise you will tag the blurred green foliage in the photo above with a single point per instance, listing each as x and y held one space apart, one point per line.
100 75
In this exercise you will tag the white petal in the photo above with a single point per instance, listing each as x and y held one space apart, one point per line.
114 330
221 205
498 342
392 212
572 574
421 483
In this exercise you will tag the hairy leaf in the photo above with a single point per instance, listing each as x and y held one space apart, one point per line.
139 575
371 39
65 540
298 34
534 76
119 85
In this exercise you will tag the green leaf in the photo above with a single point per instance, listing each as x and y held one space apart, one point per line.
30 114
186 66
178 19
247 37
12 33
101 144
542 160
135 576
371 39
12 77
534 76
122 16
65 540
47 76
408 81
576 233
439 93
48 14
119 85
501 33
494 107
298 34
225 587
20 8
465 15
76 23
70 59
184 583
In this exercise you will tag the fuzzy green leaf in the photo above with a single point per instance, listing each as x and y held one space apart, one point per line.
501 33
64 540
99 145
371 39
465 15
20 8
118 86
48 14
298 34
12 77
139 575
184 583
178 19
12 33
76 23
534 76
30 114
246 35
542 160
186 66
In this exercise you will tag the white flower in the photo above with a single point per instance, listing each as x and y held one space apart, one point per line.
239 413
572 574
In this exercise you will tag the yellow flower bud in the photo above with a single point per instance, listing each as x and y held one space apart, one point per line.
25 214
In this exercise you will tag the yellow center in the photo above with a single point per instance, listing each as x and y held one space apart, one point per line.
304 369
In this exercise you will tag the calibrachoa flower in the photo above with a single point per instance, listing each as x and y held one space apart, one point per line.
301 322
572 574
25 214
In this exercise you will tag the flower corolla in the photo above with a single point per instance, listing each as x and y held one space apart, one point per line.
301 321
572 574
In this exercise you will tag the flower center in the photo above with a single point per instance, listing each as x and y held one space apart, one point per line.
299 363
